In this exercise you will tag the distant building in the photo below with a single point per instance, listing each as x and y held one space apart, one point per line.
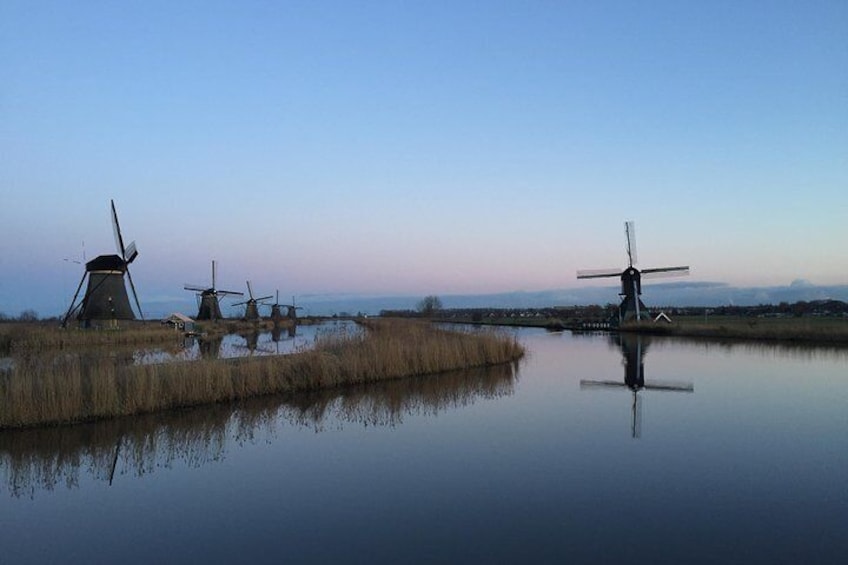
662 317
180 322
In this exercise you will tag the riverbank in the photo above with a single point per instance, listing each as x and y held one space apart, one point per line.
824 330
51 389
831 331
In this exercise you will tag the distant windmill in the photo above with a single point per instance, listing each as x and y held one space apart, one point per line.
106 294
633 348
209 297
632 307
292 310
251 309
277 310
276 313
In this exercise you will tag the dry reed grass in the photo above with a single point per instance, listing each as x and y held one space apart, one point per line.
45 458
69 387
39 336
808 330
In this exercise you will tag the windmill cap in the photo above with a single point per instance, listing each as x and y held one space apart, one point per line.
106 263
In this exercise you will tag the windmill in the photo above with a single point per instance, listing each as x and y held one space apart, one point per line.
276 313
106 296
632 307
251 309
209 298
633 349
276 310
292 310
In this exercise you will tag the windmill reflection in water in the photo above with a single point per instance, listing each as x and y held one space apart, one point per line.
633 349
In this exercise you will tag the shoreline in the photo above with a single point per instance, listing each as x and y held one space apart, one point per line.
818 331
51 390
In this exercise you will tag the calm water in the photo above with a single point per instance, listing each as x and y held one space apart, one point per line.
280 341
727 454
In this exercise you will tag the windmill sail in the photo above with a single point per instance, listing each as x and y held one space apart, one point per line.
630 232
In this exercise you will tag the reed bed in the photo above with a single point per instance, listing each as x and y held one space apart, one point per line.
38 336
46 458
69 387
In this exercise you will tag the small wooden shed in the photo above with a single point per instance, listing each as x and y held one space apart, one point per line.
180 322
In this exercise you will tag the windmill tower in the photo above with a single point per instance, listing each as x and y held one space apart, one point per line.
209 298
292 310
106 296
633 349
632 307
251 308
276 312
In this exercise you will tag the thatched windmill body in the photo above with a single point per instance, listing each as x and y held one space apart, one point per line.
632 308
252 304
209 297
106 295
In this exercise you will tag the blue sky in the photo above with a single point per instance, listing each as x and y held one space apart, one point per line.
420 147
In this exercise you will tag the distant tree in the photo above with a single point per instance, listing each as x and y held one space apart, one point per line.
430 305
3 317
28 316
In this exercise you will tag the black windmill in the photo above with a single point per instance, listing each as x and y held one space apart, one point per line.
633 349
292 310
632 308
209 297
276 309
252 304
106 296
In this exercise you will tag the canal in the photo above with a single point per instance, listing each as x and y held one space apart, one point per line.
591 450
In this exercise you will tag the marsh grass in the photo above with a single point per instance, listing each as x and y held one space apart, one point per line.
45 458
19 337
46 389
804 329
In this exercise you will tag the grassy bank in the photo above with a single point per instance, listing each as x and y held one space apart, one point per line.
44 389
808 330
18 337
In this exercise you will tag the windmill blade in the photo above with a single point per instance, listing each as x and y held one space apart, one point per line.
131 253
229 293
669 386
264 298
195 287
598 273
277 301
665 272
116 229
240 303
249 290
584 384
213 274
630 231
135 295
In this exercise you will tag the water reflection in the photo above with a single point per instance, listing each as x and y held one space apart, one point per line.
38 460
283 339
809 351
209 347
633 349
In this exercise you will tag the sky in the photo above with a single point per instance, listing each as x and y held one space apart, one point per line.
415 148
